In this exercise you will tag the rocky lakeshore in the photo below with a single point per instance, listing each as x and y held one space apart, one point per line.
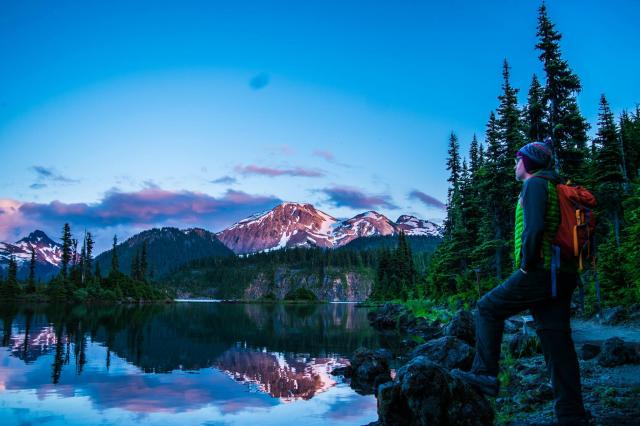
414 385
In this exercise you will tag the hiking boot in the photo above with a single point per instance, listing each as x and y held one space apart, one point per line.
488 385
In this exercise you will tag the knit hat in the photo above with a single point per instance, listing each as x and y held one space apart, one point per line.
536 156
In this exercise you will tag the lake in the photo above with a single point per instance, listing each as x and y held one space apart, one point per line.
182 363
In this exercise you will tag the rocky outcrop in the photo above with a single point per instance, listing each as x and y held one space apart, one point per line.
448 351
368 369
462 326
334 285
423 393
616 351
387 316
589 351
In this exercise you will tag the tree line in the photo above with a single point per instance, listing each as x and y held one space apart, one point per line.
79 279
476 252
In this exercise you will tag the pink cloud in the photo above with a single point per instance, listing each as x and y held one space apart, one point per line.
253 169
324 154
345 196
145 208
427 199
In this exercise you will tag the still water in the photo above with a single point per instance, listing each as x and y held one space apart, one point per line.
185 363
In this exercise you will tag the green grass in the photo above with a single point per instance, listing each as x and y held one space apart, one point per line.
426 308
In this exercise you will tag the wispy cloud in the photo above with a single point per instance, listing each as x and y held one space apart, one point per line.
49 174
38 185
225 180
345 196
281 150
329 157
253 169
426 199
324 154
259 81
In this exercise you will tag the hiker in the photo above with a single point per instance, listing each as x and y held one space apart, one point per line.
530 287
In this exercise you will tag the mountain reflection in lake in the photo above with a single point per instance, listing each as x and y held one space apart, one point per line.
186 363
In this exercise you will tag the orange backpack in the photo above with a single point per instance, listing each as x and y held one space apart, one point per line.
577 223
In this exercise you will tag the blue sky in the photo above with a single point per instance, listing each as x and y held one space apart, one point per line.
200 113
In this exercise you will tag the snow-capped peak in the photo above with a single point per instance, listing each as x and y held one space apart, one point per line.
293 224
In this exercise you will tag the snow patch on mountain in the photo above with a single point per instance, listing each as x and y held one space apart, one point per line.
294 225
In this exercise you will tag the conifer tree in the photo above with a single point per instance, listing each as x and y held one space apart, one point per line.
453 166
630 140
66 250
31 283
83 259
535 112
608 177
12 289
494 225
566 126
510 129
89 255
115 266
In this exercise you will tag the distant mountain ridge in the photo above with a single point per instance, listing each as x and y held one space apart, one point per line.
287 225
298 225
168 248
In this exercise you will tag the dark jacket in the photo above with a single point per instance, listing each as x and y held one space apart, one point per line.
534 196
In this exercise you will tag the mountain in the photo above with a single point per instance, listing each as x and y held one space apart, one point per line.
295 225
167 249
48 255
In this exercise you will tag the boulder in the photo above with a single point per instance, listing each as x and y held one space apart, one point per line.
406 321
524 344
448 351
425 394
589 351
387 316
613 315
368 369
616 351
462 326
427 330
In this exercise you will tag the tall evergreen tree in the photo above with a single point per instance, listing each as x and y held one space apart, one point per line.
83 259
11 288
630 140
453 166
474 156
115 266
566 126
511 133
494 228
608 177
66 250
535 112
89 254
31 283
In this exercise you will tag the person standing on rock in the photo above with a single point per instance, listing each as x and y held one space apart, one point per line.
529 287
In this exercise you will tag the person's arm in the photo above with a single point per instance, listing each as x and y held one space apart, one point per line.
534 204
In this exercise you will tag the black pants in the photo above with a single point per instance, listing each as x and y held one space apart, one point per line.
533 291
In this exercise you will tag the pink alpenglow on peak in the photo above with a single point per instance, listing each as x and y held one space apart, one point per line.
302 225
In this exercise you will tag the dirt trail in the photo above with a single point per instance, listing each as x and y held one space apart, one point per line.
592 332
